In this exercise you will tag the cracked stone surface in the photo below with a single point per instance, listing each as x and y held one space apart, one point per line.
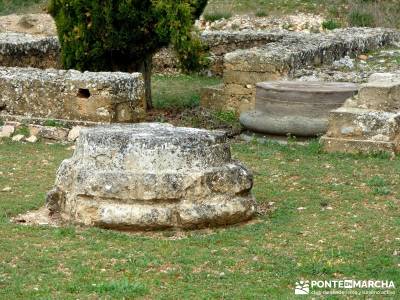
152 176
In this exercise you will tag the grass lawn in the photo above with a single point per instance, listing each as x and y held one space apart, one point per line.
179 91
324 217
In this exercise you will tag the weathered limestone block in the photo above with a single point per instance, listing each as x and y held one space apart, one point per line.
278 60
368 122
295 107
150 176
379 95
72 95
24 50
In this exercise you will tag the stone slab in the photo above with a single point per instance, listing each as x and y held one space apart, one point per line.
354 146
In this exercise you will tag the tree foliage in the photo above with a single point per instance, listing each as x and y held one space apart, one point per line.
104 35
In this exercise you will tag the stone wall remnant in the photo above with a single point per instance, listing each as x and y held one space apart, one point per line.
152 176
368 122
219 43
243 69
72 95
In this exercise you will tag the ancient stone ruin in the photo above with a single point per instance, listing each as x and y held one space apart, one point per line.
24 50
296 108
368 122
71 95
152 176
278 60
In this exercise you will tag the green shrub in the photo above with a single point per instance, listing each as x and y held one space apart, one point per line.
123 35
361 19
330 24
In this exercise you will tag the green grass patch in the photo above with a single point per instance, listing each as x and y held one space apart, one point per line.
361 19
179 91
343 231
331 24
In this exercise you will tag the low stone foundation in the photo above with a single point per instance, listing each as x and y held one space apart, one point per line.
278 60
24 50
72 95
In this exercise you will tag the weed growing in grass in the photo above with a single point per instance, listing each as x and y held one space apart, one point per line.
52 123
23 129
120 288
331 24
217 15
229 117
261 13
379 186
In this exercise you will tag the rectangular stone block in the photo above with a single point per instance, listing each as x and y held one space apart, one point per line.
363 124
357 146
24 50
380 95
72 95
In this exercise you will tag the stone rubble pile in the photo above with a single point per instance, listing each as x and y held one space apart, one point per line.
368 122
32 133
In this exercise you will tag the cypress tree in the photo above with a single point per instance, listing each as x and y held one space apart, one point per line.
123 35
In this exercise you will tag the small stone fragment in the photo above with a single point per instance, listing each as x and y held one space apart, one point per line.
32 139
18 137
7 131
74 133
